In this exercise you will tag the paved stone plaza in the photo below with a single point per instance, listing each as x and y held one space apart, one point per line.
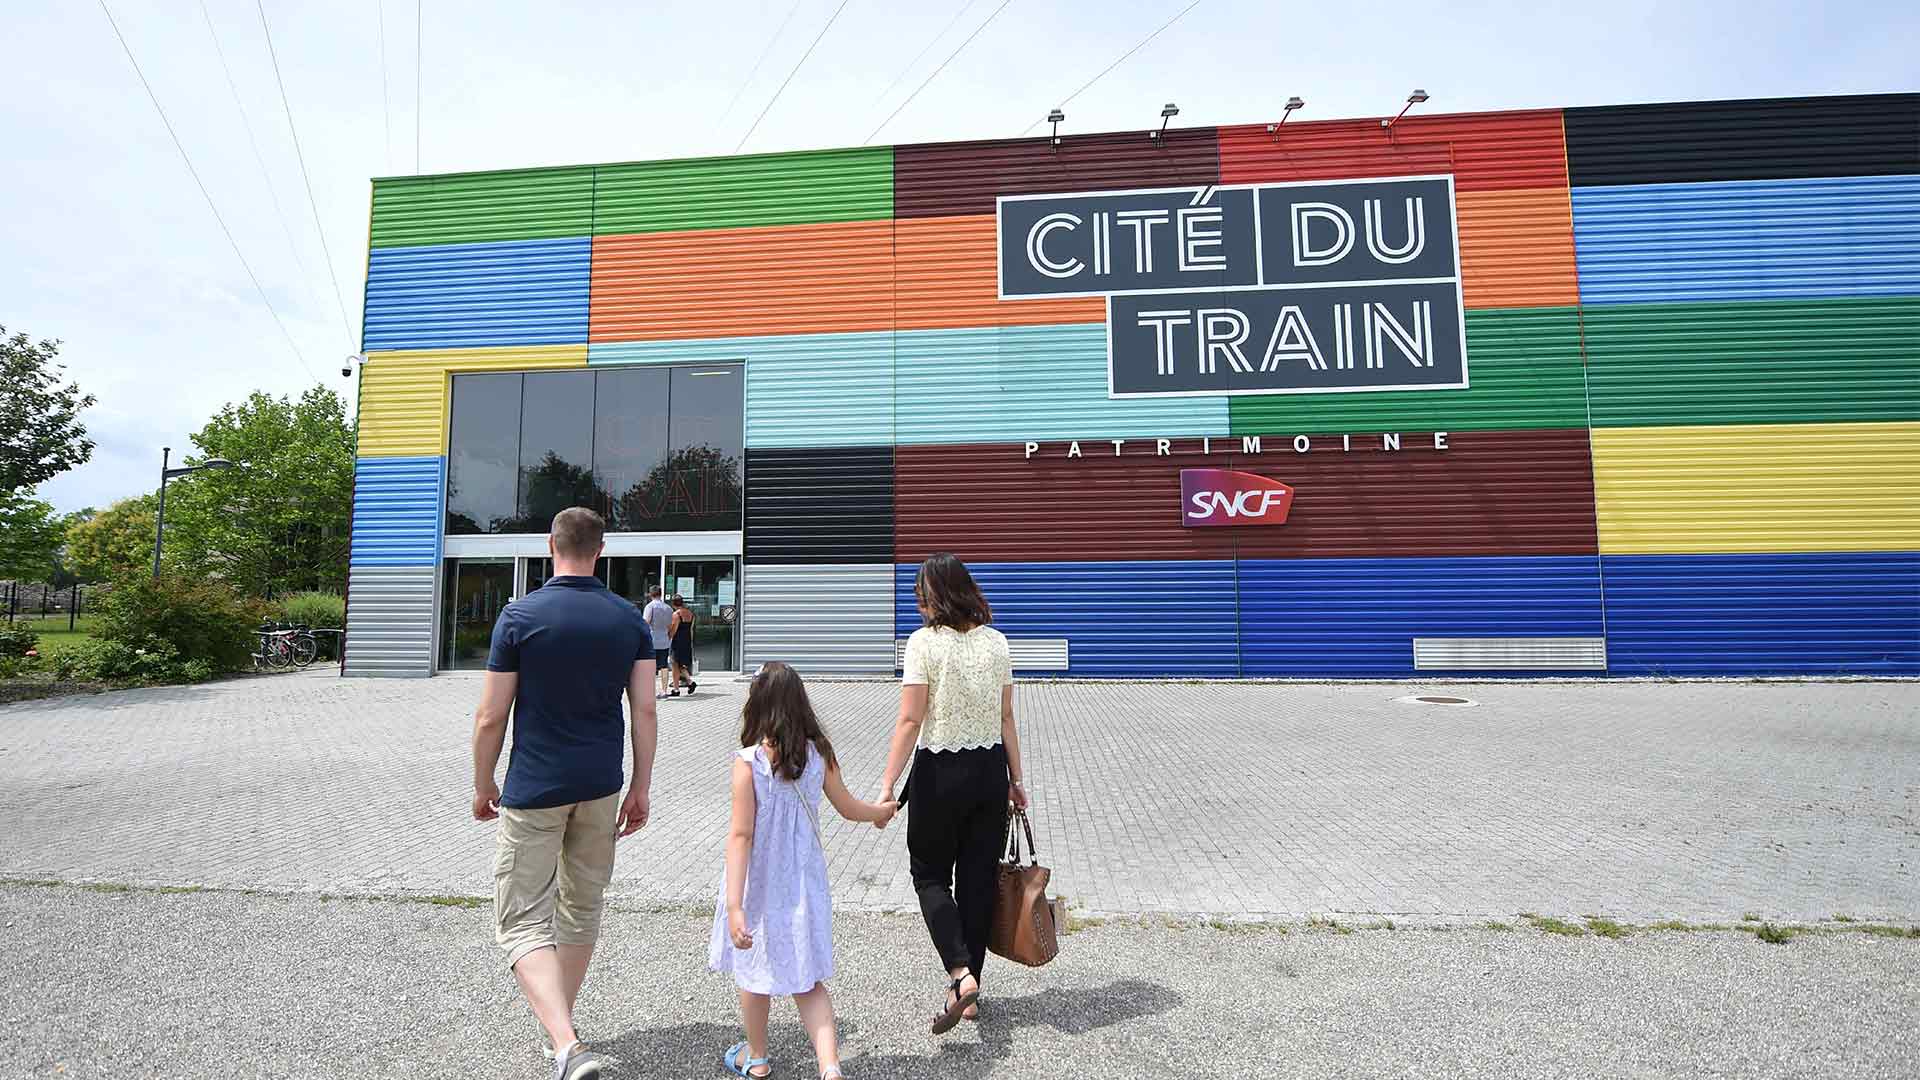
1702 801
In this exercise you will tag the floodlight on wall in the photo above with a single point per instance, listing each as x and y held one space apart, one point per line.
1413 99
1167 112
1054 117
1292 104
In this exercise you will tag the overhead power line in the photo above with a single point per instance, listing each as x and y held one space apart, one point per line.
266 177
938 70
299 155
386 98
924 50
1123 56
790 75
764 51
204 193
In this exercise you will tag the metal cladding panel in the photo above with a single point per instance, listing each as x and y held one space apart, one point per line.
1516 249
531 204
1819 614
403 395
1748 240
740 192
1753 362
1524 371
1357 618
390 621
791 279
948 179
1120 619
396 511
1014 383
820 505
1781 138
519 292
1493 151
1757 488
821 618
1490 493
946 274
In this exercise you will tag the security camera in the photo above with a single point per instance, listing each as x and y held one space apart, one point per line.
346 371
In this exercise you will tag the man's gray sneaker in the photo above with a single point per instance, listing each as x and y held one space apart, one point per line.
578 1063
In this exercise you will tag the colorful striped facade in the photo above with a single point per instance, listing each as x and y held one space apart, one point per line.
1691 435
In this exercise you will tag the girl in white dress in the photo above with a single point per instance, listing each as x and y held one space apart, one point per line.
773 923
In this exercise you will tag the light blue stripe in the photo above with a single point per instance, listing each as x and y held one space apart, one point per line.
519 292
1748 240
396 511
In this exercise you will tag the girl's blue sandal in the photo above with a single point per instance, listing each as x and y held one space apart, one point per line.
739 1064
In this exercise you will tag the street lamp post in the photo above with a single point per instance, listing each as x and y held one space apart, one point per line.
160 512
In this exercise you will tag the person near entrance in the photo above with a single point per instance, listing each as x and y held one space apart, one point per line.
682 637
561 657
659 618
956 722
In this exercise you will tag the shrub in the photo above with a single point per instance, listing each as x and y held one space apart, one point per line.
101 660
17 641
203 621
12 667
319 610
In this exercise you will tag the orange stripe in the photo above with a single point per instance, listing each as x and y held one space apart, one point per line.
948 277
787 279
1516 248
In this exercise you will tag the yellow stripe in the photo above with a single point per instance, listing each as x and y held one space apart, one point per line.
1758 488
403 395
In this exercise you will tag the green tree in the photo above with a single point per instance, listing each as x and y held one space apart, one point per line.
30 537
277 523
113 542
40 431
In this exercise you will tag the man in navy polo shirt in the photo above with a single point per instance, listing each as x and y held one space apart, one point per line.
562 656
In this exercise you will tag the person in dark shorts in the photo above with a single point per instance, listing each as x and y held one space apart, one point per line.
659 618
682 633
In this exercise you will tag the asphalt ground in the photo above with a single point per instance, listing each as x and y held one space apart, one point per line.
111 982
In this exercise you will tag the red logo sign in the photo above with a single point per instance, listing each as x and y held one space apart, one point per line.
1221 497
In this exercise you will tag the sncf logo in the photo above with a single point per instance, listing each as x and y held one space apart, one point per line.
1215 497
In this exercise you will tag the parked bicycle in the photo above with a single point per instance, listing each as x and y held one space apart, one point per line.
284 644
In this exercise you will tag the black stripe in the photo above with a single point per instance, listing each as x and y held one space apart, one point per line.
1774 139
820 505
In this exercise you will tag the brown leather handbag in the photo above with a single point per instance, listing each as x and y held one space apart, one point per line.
1024 920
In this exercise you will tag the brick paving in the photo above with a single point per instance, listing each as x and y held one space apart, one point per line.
1700 801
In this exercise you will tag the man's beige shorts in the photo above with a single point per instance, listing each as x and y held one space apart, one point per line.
550 872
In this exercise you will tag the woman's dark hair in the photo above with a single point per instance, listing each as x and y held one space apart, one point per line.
778 713
948 596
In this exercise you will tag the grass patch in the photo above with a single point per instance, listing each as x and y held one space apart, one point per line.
1843 918
1750 917
105 887
1774 935
1383 924
1496 925
1878 930
1549 924
1077 922
452 901
1607 928
1315 922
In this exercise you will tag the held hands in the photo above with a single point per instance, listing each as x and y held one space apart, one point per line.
634 811
486 801
737 929
888 808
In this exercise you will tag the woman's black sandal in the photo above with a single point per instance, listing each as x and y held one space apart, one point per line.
947 1020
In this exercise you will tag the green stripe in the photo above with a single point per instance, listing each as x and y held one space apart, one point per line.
1754 362
745 192
1523 371
530 204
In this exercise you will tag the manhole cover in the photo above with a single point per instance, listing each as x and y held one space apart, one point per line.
1436 699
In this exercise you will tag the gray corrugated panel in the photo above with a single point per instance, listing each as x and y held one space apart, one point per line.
1509 654
390 621
1027 654
826 619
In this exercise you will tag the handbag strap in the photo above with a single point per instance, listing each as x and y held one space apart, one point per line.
1013 840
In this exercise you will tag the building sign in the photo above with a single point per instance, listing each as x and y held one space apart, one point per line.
1296 288
1210 498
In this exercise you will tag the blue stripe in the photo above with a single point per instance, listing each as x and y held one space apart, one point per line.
1836 613
1357 618
519 292
1748 240
396 511
1121 619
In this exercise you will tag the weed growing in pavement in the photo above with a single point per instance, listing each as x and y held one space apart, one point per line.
1383 924
1551 925
1774 935
105 887
1750 917
1607 928
450 901
1843 918
1878 930
1315 922
1497 926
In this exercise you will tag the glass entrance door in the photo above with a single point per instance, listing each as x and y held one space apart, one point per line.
626 575
472 592
711 589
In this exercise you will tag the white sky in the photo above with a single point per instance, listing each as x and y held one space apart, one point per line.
109 246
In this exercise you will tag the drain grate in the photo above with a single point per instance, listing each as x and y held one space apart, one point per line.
1437 699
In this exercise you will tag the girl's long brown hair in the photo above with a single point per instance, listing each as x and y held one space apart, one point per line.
778 713
948 595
